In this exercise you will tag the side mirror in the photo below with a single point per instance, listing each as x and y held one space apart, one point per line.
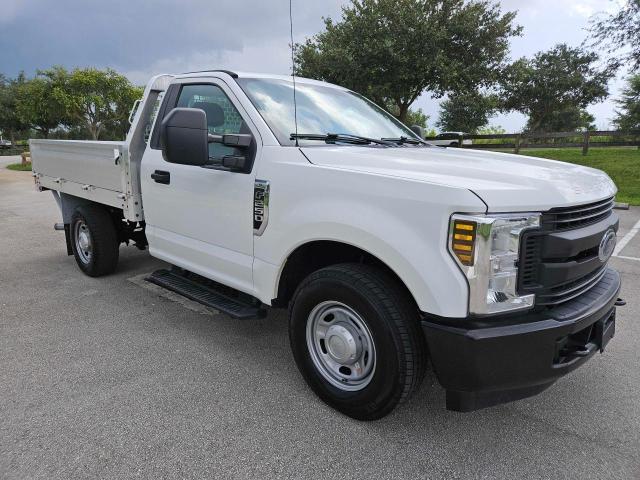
418 130
184 137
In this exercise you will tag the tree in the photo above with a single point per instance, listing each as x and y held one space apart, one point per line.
554 88
38 105
466 112
491 130
619 33
97 100
10 123
628 117
414 117
569 119
394 50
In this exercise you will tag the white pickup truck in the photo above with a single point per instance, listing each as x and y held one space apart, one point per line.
386 250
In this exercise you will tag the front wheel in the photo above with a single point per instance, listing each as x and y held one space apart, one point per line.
356 339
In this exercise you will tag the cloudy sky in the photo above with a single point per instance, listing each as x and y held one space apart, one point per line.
145 37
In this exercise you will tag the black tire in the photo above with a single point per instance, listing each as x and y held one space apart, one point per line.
393 322
104 240
453 144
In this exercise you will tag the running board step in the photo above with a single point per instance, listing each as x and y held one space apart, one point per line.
209 293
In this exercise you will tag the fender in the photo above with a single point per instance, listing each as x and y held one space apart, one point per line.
402 222
430 274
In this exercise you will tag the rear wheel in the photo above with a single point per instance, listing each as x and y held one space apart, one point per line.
356 339
94 240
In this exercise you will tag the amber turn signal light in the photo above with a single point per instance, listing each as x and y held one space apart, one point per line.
463 240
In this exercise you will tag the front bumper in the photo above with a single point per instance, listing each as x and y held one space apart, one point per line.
500 360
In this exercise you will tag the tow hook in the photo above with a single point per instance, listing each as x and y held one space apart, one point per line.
620 302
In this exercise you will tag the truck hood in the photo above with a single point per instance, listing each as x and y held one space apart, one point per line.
505 182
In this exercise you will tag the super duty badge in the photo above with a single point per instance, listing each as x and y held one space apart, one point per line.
260 206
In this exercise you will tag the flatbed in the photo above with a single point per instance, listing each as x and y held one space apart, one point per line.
107 173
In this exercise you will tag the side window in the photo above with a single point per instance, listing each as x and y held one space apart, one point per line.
152 116
222 116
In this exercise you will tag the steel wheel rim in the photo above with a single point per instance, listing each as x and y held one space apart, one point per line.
84 244
341 346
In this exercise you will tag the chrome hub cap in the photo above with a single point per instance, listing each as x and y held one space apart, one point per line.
341 346
84 245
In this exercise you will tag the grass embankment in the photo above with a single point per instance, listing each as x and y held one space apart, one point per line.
621 164
20 167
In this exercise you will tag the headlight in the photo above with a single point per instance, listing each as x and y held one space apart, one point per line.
487 247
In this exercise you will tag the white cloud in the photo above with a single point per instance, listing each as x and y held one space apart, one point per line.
577 8
145 37
582 9
271 56
10 10
588 8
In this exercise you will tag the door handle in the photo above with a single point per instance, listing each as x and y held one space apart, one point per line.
160 176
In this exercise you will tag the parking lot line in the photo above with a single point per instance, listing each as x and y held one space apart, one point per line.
628 258
626 239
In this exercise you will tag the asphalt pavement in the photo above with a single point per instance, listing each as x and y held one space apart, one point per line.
107 378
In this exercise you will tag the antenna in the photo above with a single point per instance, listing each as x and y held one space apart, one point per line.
293 73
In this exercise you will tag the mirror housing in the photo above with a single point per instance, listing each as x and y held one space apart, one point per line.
234 162
418 130
184 137
237 140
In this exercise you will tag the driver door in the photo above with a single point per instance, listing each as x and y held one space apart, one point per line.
201 219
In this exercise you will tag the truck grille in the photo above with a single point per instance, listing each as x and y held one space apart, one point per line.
546 268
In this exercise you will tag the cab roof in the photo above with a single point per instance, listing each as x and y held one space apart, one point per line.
235 74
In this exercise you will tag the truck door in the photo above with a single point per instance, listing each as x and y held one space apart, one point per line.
201 219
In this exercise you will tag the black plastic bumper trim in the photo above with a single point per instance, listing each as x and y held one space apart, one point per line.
480 367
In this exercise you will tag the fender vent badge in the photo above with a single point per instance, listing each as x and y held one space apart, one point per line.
260 206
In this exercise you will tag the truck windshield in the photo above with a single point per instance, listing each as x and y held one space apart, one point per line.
321 110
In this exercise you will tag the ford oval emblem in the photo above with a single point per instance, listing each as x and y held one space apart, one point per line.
607 245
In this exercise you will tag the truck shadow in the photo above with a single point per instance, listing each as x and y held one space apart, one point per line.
262 347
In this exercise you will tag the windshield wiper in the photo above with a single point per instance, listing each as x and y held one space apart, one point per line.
403 140
339 137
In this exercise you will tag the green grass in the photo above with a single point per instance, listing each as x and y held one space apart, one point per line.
621 164
20 167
